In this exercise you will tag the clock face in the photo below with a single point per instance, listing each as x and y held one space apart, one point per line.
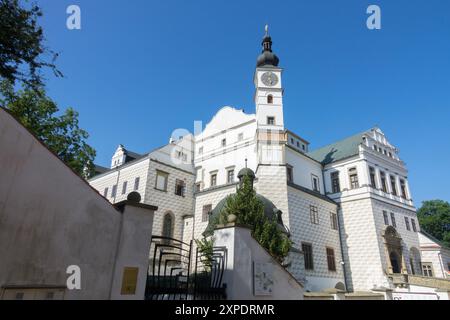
270 79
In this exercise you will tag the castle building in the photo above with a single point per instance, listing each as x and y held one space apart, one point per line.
347 206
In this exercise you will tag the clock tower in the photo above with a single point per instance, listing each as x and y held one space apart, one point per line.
269 91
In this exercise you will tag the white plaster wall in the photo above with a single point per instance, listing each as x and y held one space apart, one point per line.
168 201
133 248
303 169
361 247
212 197
320 236
51 219
242 252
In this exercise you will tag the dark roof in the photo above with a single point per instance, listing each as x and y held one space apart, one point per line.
99 169
246 172
339 150
270 211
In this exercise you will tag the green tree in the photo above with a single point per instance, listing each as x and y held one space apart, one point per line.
61 134
434 218
22 50
249 210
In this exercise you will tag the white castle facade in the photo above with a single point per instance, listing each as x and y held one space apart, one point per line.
348 205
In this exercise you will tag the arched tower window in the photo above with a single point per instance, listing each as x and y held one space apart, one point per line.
167 230
269 99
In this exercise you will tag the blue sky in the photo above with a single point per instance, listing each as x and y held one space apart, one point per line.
139 69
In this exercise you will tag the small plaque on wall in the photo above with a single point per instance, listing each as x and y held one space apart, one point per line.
262 279
129 281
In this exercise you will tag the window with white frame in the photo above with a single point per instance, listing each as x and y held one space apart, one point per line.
314 214
161 180
213 180
230 175
353 176
290 173
315 183
427 269
335 184
373 183
124 187
407 224
386 218
180 187
394 223
334 220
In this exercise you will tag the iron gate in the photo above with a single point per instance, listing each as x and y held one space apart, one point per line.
178 272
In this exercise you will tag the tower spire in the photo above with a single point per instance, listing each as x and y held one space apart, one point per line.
267 57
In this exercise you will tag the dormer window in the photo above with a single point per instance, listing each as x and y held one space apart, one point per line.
269 99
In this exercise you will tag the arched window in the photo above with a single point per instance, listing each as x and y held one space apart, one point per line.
167 230
395 263
269 99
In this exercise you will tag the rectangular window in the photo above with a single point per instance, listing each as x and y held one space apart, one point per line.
427 269
271 121
298 144
114 191
161 180
403 188
335 182
240 137
331 260
373 183
230 176
206 212
136 183
308 256
413 223
213 179
200 150
224 142
394 223
198 186
315 183
290 173
314 214
383 181
105 193
407 224
124 187
393 186
180 187
353 175
334 220
386 218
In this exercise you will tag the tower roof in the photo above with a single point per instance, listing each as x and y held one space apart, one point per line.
267 58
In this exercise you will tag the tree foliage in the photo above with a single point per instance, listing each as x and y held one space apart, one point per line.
249 211
61 134
22 47
434 218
